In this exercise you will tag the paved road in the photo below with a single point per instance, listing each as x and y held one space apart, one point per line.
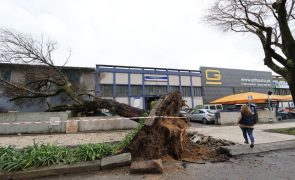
233 133
276 165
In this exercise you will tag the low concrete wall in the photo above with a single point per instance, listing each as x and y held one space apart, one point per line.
105 123
20 117
266 116
43 124
228 118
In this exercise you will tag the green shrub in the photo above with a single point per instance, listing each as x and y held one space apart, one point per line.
41 155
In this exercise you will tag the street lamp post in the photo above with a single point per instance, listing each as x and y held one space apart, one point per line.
268 94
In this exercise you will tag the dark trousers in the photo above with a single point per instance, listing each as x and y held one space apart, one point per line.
248 131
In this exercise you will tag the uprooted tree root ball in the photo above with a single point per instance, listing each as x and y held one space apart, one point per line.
166 137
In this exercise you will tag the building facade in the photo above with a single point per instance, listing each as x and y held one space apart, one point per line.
220 82
83 78
139 86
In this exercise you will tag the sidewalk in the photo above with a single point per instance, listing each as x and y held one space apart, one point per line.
234 133
266 147
20 141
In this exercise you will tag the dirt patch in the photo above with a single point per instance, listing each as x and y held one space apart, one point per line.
205 148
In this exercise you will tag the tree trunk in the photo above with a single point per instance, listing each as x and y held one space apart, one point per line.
161 137
99 103
291 83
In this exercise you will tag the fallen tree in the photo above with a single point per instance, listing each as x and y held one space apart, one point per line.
42 78
159 137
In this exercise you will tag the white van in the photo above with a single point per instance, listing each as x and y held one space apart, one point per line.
214 107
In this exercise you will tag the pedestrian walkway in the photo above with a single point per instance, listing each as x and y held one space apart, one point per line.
266 147
234 133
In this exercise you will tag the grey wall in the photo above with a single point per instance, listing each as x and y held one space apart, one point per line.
32 117
85 82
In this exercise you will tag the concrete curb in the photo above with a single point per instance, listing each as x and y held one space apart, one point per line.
236 150
53 170
68 169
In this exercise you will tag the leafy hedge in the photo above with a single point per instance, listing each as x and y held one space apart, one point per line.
41 155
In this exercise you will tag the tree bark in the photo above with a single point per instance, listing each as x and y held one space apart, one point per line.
291 82
99 103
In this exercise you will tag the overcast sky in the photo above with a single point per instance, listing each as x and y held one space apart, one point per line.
153 33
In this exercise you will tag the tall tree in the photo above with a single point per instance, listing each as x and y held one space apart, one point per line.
271 21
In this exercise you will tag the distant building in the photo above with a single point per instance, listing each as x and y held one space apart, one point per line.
82 77
281 87
220 82
139 86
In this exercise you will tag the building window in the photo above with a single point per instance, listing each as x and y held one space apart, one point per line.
106 90
282 91
186 91
5 74
136 90
73 76
155 90
122 90
198 91
173 88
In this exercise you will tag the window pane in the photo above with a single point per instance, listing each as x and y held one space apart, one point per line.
73 76
136 90
197 91
106 90
5 74
122 90
155 90
173 88
186 91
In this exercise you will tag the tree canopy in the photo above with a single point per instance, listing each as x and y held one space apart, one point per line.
271 21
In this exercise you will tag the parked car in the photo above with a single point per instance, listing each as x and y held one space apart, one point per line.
203 115
213 107
184 112
283 115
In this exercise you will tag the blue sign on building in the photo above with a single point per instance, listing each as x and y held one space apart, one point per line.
156 78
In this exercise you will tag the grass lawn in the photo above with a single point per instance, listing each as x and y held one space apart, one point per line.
289 131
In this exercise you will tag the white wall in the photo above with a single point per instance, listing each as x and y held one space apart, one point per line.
121 78
136 79
173 80
136 102
87 81
197 81
265 116
188 101
122 100
155 83
106 78
16 76
228 117
198 101
185 81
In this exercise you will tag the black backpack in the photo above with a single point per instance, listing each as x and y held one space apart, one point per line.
247 120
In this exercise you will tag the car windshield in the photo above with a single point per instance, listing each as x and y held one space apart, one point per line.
212 107
219 107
